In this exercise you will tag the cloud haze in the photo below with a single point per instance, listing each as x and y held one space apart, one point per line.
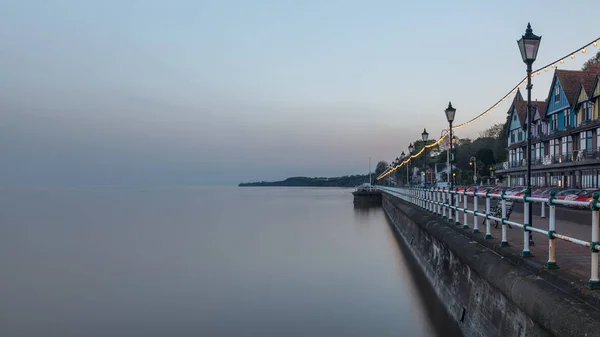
217 92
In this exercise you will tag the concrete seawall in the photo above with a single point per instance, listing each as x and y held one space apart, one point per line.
486 293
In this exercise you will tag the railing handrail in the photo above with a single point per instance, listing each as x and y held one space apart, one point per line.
442 201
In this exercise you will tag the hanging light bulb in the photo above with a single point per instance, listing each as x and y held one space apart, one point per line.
554 65
572 56
546 69
538 73
583 50
562 61
596 43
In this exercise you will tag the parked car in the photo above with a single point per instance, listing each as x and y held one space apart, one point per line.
544 192
583 196
562 194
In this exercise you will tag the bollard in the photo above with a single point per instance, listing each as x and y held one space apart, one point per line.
475 208
504 242
527 209
465 219
594 282
488 234
551 264
543 215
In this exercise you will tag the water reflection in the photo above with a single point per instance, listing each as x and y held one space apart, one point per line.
203 262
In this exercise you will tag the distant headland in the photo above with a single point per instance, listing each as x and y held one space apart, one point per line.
345 181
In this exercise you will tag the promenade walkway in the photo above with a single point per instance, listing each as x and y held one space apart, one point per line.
574 261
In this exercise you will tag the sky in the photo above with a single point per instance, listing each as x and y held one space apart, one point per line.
111 93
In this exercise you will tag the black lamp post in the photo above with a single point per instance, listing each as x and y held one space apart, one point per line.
425 136
410 151
396 163
402 159
450 112
529 45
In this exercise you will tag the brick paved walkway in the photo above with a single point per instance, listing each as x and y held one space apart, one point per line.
571 258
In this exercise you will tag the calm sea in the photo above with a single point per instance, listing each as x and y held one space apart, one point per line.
206 262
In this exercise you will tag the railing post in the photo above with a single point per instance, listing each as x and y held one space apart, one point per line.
504 241
551 264
527 209
594 282
475 209
450 204
430 199
488 234
543 215
465 214
437 202
456 206
444 203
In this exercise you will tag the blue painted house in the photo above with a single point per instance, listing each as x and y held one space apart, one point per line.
565 133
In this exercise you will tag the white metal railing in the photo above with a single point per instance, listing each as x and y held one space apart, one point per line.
446 203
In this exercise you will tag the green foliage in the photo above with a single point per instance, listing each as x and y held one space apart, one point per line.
380 168
594 61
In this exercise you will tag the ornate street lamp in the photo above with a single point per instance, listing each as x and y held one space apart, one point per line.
425 136
411 148
529 45
450 112
402 159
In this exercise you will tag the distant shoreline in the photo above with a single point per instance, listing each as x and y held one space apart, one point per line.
345 181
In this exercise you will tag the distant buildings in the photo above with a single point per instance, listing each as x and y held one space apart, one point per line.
565 134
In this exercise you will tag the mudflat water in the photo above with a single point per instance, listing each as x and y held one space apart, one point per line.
206 261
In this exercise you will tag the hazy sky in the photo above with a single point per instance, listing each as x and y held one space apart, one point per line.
216 92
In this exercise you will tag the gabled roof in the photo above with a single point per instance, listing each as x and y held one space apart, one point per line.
521 107
518 97
596 81
541 108
571 79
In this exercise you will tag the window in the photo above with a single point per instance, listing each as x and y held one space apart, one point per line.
586 112
566 119
567 145
539 151
520 134
557 147
514 117
556 93
539 129
553 124
585 140
598 137
551 147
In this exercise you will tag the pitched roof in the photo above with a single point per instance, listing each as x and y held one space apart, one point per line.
541 107
521 107
518 97
570 80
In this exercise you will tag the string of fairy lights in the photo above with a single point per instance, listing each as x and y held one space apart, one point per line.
537 72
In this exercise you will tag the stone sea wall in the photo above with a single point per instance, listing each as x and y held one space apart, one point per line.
485 293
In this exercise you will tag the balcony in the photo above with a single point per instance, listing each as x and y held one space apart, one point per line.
574 159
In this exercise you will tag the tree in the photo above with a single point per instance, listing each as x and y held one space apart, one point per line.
594 61
494 131
380 168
